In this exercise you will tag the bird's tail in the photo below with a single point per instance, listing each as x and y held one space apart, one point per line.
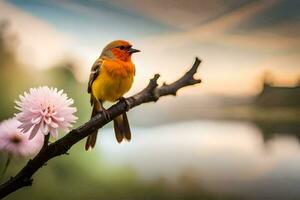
122 128
91 139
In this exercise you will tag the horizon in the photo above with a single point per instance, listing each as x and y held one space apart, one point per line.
237 42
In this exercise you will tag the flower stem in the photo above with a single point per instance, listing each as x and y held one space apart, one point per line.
46 140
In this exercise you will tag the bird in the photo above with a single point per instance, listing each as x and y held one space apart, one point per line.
111 77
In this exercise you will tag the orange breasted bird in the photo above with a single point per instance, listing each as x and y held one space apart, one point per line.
111 77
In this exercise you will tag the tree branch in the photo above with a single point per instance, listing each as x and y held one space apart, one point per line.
150 94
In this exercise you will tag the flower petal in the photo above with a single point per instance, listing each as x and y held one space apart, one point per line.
34 131
54 133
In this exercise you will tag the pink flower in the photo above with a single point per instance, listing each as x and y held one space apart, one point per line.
44 110
15 143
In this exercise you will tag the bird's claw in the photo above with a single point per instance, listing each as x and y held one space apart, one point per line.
105 114
127 103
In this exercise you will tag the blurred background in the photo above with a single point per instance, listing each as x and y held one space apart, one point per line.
235 136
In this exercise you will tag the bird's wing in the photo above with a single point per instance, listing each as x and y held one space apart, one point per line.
93 75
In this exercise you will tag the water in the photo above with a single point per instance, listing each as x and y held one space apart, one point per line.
223 157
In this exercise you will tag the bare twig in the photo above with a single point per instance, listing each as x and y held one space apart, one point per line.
150 94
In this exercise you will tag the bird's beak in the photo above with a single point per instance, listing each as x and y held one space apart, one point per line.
132 50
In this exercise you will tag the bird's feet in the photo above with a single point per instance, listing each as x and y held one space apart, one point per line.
105 114
127 103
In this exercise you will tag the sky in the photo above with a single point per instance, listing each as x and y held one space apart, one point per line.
237 40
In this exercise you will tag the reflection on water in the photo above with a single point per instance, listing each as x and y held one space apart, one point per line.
223 157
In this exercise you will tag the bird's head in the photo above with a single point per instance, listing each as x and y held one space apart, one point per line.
119 49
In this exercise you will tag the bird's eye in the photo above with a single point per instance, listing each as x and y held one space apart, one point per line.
122 47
